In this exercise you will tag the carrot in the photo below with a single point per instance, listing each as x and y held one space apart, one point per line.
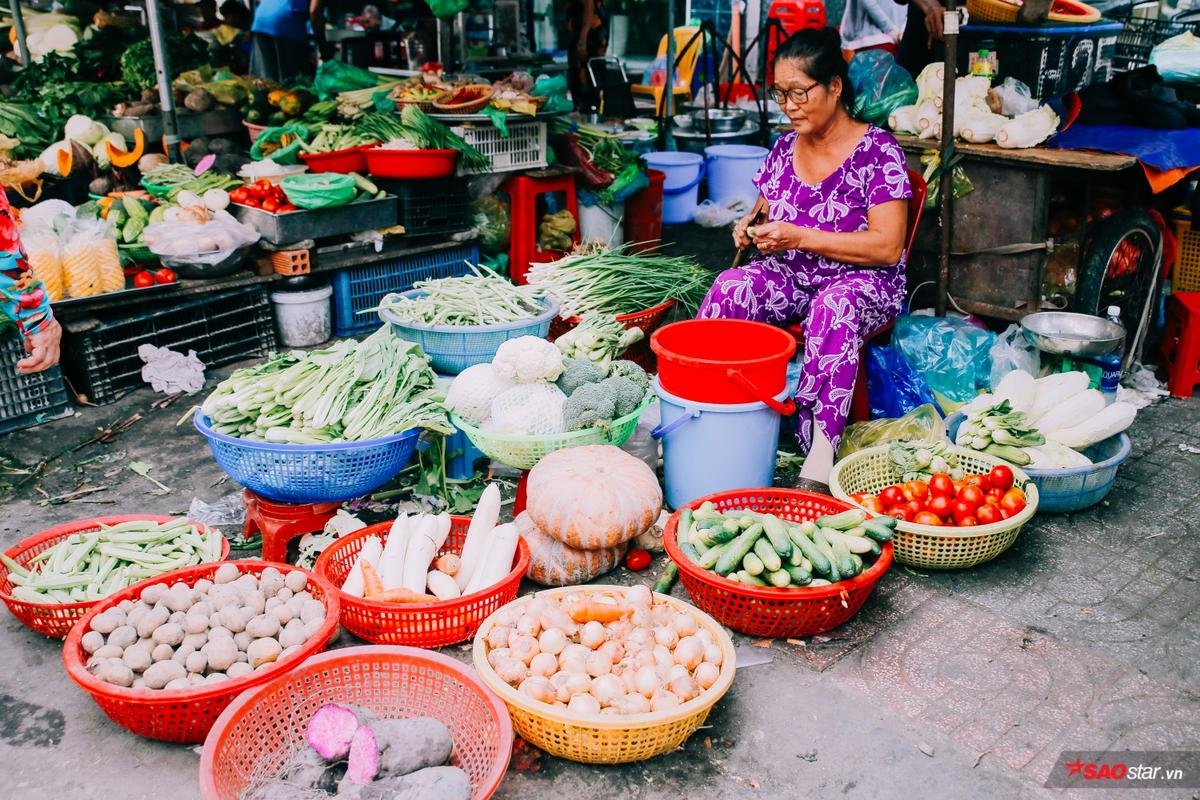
449 564
403 596
587 611
372 584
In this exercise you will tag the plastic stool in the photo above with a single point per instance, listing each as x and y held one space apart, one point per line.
523 192
860 403
279 523
1180 345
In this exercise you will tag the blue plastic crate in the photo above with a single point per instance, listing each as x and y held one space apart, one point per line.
28 400
461 455
358 290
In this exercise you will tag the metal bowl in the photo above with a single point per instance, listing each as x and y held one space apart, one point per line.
723 120
1067 333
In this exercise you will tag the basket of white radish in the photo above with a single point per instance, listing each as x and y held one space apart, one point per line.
164 657
604 674
470 566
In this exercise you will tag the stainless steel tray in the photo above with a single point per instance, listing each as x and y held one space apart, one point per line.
320 223
191 125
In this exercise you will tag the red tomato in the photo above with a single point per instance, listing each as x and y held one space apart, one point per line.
901 513
165 275
638 559
940 485
871 503
261 189
961 511
892 496
974 480
993 496
1004 514
287 208
966 522
1001 477
940 505
239 195
914 507
1013 501
270 204
143 279
987 514
918 489
927 518
972 496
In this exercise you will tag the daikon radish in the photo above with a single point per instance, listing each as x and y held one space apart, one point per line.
422 547
1095 428
391 563
1017 388
1053 390
442 585
486 515
498 560
1072 412
371 551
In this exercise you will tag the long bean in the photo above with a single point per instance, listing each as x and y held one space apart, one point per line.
481 298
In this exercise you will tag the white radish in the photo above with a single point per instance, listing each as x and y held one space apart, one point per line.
485 518
498 561
421 549
442 585
1074 411
371 550
1017 388
1053 390
391 563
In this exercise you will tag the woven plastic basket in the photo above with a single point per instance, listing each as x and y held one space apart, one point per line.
185 715
434 624
310 473
56 619
258 732
607 740
771 612
1061 491
930 546
522 452
648 320
485 90
453 348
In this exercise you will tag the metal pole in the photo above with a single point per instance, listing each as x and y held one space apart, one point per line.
19 28
162 69
669 85
946 188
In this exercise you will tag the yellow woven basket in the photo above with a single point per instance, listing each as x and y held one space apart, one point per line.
1004 11
930 546
606 740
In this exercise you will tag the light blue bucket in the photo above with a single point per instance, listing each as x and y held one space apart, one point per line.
681 189
713 447
731 169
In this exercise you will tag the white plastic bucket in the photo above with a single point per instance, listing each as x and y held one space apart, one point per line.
303 318
731 169
601 223
681 189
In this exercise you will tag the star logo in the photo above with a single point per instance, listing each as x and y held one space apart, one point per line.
1074 767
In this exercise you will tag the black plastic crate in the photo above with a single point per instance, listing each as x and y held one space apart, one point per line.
28 400
1142 34
221 327
1050 59
430 207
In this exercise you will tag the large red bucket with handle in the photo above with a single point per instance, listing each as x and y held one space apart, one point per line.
725 361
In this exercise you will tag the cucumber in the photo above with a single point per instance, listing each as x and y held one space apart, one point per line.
364 185
820 582
667 579
831 569
842 521
777 534
752 564
685 520
876 549
797 557
731 526
116 215
767 555
696 540
134 208
157 214
717 535
884 520
814 554
691 553
707 511
857 562
857 530
844 563
799 575
750 580
780 578
132 230
877 530
855 544
736 550
710 557
746 520
808 528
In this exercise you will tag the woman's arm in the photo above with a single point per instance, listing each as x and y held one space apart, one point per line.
880 245
587 19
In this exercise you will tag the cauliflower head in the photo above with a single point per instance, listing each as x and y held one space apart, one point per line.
528 409
472 391
528 359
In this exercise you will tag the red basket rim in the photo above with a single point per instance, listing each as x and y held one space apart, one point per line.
631 316
76 665
377 151
322 568
77 526
345 151
868 577
488 786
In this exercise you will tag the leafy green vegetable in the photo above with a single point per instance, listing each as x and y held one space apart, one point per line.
23 122
137 63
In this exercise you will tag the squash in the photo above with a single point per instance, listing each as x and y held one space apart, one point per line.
593 497
552 563
64 160
127 158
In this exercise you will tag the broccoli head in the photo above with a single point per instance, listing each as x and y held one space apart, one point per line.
590 406
630 370
578 372
626 394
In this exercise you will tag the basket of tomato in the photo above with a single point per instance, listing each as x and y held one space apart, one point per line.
264 195
944 523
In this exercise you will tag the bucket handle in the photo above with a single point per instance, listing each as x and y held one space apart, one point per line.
786 407
662 431
691 185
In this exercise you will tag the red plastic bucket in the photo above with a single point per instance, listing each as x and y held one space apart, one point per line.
724 361
643 214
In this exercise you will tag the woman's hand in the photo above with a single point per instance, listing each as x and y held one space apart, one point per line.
740 237
42 348
776 237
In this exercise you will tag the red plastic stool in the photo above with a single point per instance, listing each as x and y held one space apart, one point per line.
860 403
279 523
524 193
1180 346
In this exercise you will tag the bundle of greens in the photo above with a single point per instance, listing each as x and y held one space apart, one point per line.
599 338
347 392
415 126
137 63
481 298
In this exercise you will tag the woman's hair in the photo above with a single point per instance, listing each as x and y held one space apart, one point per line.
819 51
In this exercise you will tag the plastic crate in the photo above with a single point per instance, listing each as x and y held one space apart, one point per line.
221 327
1141 34
1185 275
430 207
28 400
358 290
523 148
1050 59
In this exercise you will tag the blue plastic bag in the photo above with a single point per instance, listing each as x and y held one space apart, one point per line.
894 388
952 355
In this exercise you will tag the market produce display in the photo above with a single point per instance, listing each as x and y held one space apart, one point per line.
178 636
416 128
598 338
481 298
346 391
168 180
940 499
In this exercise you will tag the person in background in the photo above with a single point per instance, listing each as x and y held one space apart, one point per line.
836 195
872 24
587 36
922 34
23 300
279 49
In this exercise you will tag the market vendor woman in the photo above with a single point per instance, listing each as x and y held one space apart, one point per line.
23 300
836 193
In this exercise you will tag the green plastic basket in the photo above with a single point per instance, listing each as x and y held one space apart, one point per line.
522 452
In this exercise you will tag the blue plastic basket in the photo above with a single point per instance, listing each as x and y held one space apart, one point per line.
1062 491
453 348
358 290
310 473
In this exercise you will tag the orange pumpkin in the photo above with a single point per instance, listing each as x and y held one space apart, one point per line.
552 563
122 158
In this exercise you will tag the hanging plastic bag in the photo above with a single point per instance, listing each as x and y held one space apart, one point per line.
880 86
1013 351
923 423
1178 58
447 8
491 219
961 185
1015 97
556 92
951 354
893 387
335 77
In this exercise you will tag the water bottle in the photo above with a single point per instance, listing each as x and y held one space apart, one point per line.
1110 364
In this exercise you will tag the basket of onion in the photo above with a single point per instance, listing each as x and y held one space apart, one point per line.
604 674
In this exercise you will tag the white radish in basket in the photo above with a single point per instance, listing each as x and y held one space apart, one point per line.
391 563
487 514
370 553
497 562
424 542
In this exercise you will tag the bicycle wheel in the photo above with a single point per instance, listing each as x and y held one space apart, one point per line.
1117 268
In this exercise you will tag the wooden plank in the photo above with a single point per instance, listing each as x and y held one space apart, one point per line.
1037 157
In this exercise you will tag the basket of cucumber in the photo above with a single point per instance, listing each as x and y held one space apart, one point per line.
778 563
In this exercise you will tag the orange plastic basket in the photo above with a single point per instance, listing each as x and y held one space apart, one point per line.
434 624
647 320
770 612
260 730
185 715
56 619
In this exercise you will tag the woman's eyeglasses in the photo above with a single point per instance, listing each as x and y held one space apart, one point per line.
798 96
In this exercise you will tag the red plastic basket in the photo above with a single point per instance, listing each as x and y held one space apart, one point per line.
722 360
352 159
186 715
261 729
56 619
769 612
414 164
433 624
648 320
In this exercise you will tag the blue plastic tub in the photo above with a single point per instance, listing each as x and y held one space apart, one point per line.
731 169
461 455
1061 491
310 473
681 189
452 348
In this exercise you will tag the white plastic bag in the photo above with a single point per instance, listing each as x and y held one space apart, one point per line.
1178 58
718 215
1012 351
199 243
1015 98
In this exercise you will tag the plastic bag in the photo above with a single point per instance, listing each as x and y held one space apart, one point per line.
720 215
1015 97
281 145
923 423
656 74
199 244
960 183
44 256
335 77
951 354
880 85
91 264
320 190
447 8
555 89
1178 58
893 387
491 219
1013 351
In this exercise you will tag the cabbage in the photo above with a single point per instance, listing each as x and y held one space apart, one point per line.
471 393
84 129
